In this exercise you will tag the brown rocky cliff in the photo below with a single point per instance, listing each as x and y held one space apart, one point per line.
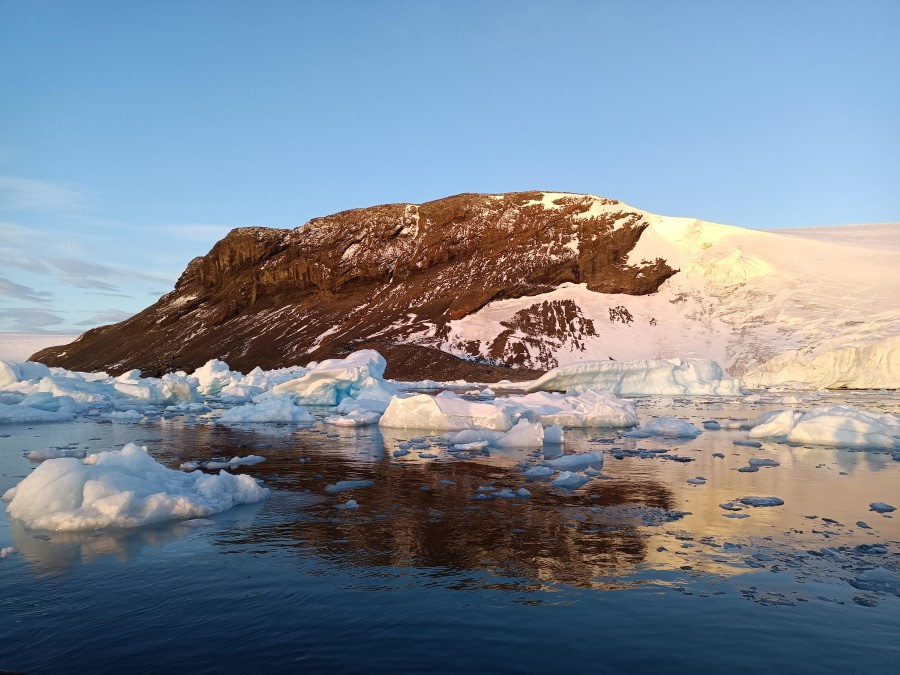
395 274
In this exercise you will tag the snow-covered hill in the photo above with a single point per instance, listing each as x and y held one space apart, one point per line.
819 306
529 280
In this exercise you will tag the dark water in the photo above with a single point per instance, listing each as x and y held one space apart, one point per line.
636 571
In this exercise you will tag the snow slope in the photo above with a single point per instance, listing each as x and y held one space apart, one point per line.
817 307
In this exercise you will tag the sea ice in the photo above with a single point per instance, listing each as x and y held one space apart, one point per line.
576 461
276 409
665 427
834 425
636 378
881 507
359 376
444 412
568 480
344 485
122 489
762 501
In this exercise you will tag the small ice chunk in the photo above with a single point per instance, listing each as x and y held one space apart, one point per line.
553 435
249 460
881 507
748 469
719 455
539 472
671 427
711 425
400 452
762 501
54 453
505 493
577 461
763 461
350 504
747 443
7 551
698 480
344 485
522 493
862 524
569 481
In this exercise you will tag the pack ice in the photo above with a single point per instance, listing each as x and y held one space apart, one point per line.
122 489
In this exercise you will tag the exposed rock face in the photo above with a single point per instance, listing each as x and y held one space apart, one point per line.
396 274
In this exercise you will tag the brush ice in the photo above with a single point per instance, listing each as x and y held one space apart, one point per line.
277 409
122 489
834 425
670 377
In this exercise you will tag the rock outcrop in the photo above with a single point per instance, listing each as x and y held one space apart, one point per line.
395 275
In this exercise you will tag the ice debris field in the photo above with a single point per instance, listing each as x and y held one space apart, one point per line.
128 488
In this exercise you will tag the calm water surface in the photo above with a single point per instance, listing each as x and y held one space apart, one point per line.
638 570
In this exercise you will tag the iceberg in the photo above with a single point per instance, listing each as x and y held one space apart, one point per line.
360 375
122 489
587 408
445 412
669 377
834 425
276 409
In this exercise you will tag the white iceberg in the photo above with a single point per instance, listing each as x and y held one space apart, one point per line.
586 408
360 375
445 412
834 425
666 427
122 489
575 461
271 410
670 377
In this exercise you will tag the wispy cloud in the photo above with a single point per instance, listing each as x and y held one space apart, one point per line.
11 289
28 320
105 317
36 195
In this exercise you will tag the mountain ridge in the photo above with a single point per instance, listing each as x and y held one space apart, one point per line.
507 283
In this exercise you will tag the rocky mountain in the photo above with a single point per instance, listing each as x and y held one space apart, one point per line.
505 286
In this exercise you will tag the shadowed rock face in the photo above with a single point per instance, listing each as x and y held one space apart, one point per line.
394 274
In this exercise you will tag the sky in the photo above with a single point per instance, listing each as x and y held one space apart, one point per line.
134 135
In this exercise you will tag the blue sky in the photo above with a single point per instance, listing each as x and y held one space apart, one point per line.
134 135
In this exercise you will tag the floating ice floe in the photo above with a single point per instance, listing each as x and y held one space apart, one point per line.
445 412
665 427
568 480
21 414
670 377
762 501
834 425
576 461
577 408
524 434
881 507
249 460
344 485
124 488
272 410
449 412
55 453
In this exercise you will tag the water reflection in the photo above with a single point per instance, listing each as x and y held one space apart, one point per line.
424 513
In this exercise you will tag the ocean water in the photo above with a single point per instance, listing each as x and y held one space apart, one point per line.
638 570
